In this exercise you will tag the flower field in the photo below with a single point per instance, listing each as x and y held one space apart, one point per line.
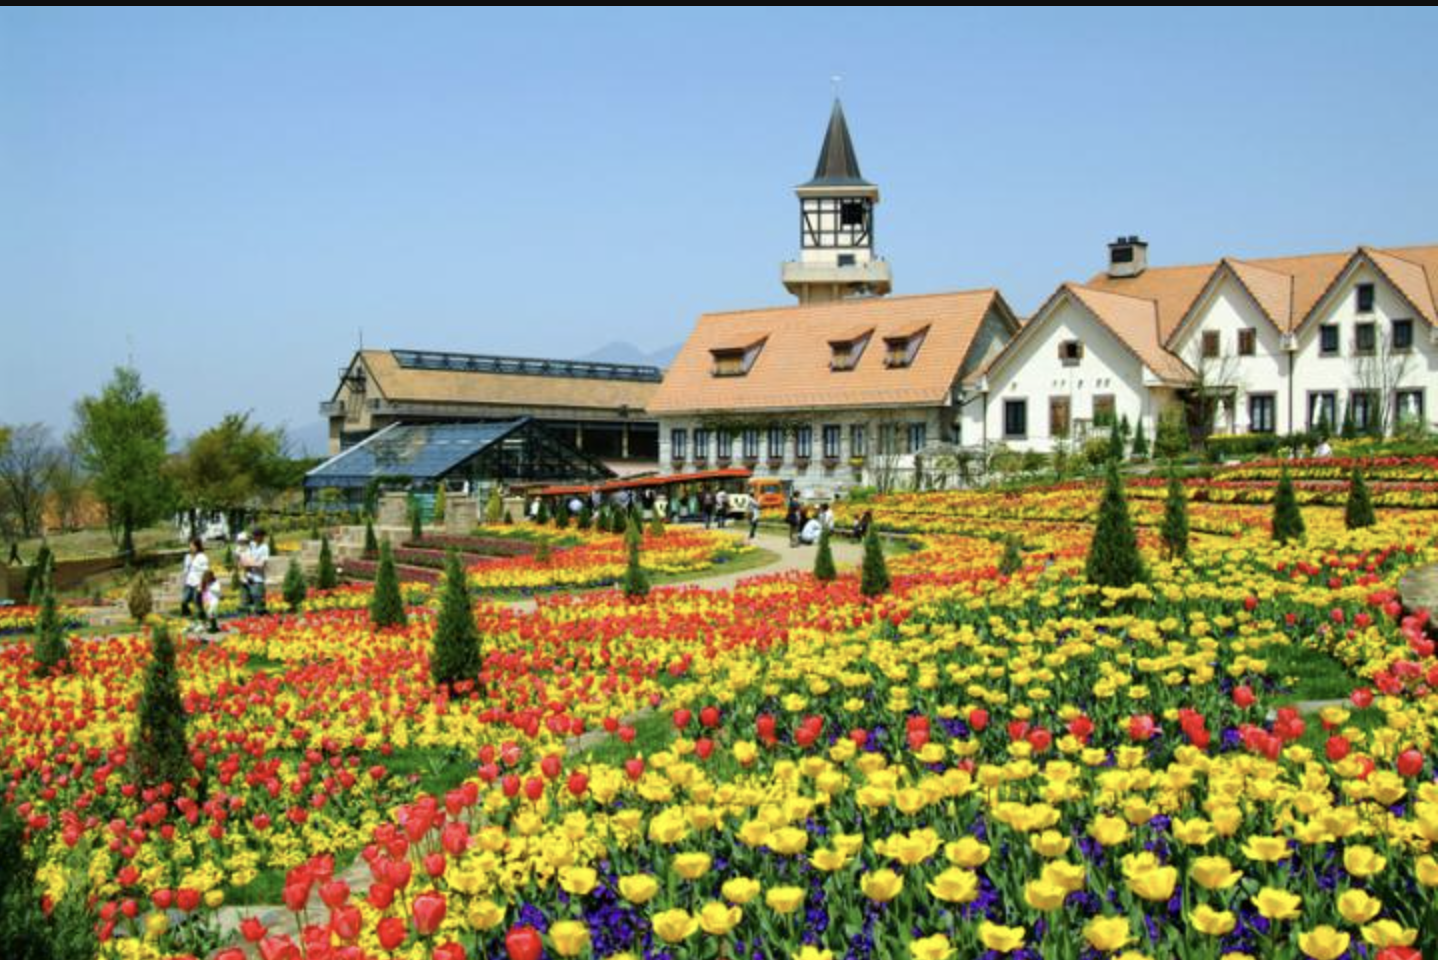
972 765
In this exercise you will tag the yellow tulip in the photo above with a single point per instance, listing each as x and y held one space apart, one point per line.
1107 934
784 899
1001 939
1358 907
1154 884
692 866
1266 849
881 885
1426 867
717 919
788 841
1362 861
638 888
1044 895
828 859
936 947
1323 943
814 953
967 852
740 890
570 938
1277 904
1213 922
674 926
1214 873
578 881
955 885
1070 876
1108 831
1389 933
485 915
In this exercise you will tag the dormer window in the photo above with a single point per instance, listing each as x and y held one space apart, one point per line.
846 350
1070 352
735 361
900 349
1365 297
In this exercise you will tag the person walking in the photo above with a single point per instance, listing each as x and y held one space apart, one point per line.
721 508
706 507
754 514
256 559
210 598
794 517
195 568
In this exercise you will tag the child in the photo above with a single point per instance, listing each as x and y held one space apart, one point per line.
210 597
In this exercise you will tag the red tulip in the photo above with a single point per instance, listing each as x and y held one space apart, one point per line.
634 768
709 716
449 951
1410 763
578 783
682 718
392 932
429 908
187 899
550 766
334 893
534 788
978 719
523 943
1362 698
704 748
1337 748
1141 727
434 864
1243 697
251 929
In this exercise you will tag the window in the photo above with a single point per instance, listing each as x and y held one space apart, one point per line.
1408 405
1210 344
1364 293
1362 409
1070 352
851 213
701 443
804 442
858 442
845 354
776 444
724 444
1103 410
735 361
1016 418
1059 411
1246 340
751 444
1364 338
1402 336
900 351
1328 340
918 436
831 441
1323 410
846 260
677 441
1261 417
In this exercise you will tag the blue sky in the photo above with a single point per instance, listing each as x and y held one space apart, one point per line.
229 197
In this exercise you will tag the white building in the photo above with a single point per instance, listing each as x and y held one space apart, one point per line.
1270 346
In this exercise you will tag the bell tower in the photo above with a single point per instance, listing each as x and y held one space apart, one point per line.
836 226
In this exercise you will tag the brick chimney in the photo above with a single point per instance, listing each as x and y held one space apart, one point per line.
1127 257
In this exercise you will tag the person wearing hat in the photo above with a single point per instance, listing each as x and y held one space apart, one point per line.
242 557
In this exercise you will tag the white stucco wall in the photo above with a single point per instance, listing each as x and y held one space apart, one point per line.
1227 309
1313 372
1035 372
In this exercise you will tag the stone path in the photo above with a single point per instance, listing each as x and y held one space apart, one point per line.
1419 588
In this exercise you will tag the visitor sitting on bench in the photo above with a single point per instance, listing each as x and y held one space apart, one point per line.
811 532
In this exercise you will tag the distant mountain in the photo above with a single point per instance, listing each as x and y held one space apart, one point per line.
620 351
309 439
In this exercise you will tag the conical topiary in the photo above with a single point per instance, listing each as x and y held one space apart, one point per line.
824 569
1113 557
1358 512
416 519
386 605
656 523
50 649
22 920
1174 532
636 581
161 751
874 578
326 576
494 507
296 590
1013 558
1287 518
371 544
1140 442
139 600
454 653
39 574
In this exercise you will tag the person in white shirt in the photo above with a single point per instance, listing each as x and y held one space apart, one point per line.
196 566
826 517
811 532
254 563
210 597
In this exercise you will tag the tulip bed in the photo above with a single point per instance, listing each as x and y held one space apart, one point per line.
22 619
972 765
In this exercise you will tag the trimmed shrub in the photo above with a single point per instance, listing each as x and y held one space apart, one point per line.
326 576
1358 512
1113 557
824 569
386 605
636 581
1174 532
1287 518
161 752
295 588
454 654
139 600
874 579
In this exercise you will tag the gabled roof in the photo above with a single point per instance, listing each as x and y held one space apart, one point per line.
483 384
838 164
793 370
1175 291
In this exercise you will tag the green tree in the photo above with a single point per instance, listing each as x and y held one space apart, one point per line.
636 581
38 575
50 648
138 599
386 605
161 745
416 519
1013 559
295 589
1174 532
326 577
1171 438
1358 512
22 922
371 544
121 436
229 468
1140 442
1113 557
1287 517
494 506
824 569
455 656
542 517
874 577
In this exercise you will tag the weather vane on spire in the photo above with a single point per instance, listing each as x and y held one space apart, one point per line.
835 80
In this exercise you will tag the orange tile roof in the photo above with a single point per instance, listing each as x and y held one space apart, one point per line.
1135 323
1174 290
792 370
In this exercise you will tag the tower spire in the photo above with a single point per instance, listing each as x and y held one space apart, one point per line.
838 164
